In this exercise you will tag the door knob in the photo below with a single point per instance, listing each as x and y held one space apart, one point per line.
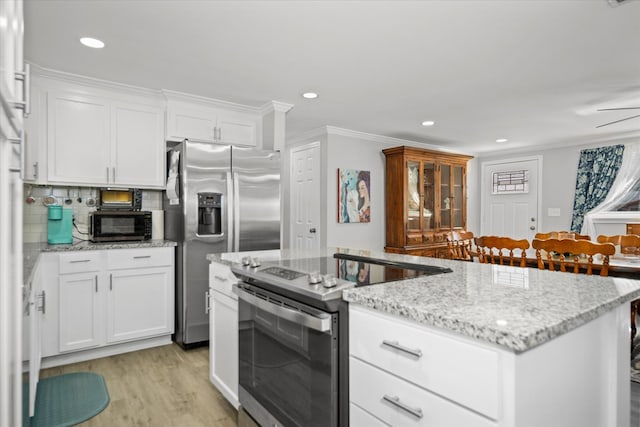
532 227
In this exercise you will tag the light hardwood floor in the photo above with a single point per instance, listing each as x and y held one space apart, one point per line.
162 386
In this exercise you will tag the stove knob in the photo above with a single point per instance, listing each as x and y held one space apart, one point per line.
255 262
329 281
315 278
246 260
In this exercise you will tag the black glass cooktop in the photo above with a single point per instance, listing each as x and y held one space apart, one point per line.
359 270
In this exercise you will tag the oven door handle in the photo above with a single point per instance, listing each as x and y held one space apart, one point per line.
320 323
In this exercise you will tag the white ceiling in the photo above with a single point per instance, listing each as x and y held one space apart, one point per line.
531 71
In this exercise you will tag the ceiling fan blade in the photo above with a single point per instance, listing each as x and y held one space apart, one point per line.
615 109
618 121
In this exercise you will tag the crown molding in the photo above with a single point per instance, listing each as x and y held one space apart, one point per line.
173 95
278 106
64 76
386 140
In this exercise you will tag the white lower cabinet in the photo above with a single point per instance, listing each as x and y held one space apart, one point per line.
113 296
405 373
223 327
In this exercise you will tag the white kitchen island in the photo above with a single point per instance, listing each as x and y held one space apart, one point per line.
488 345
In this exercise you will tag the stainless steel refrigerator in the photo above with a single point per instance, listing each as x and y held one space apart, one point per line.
219 199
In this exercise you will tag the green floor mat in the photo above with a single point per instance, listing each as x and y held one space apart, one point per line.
67 400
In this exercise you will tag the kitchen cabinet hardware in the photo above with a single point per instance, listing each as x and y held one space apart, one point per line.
43 300
394 344
395 400
111 281
25 78
35 170
73 261
141 256
220 278
207 302
96 281
312 230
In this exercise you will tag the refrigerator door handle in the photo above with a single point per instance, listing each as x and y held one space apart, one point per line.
230 204
236 212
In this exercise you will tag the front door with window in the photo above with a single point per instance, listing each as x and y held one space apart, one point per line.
510 198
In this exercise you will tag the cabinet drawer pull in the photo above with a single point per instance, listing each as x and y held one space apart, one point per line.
220 278
394 344
110 282
96 283
142 256
207 302
395 400
79 260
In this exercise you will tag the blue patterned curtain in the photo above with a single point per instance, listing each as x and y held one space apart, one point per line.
597 170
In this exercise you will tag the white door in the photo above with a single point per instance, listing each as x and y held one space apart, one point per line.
305 197
510 200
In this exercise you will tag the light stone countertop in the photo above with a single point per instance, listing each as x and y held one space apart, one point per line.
31 251
516 308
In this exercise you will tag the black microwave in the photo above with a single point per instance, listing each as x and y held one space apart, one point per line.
116 226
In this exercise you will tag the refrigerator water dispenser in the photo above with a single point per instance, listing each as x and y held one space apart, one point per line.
209 214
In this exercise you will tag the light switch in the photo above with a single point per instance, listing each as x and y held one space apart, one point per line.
553 212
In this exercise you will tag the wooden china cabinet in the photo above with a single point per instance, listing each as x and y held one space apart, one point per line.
426 197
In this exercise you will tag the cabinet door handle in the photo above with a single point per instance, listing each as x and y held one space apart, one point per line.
141 256
110 281
35 170
20 142
207 302
25 78
113 174
96 283
107 174
79 260
219 134
220 278
394 344
43 306
395 400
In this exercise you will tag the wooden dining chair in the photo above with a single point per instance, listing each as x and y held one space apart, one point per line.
572 253
501 249
629 243
460 244
562 235
629 246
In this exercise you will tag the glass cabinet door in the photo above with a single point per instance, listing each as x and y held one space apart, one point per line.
413 199
458 196
445 196
429 196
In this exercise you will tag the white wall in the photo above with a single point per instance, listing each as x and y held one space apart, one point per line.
345 149
558 182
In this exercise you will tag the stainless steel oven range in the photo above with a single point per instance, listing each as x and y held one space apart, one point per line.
293 335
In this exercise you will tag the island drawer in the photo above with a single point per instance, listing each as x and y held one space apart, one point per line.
398 402
454 368
360 417
135 258
79 262
222 279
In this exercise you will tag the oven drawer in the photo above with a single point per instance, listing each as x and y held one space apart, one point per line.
80 262
465 373
399 403
118 259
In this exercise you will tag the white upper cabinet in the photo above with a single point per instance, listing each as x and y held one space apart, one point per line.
211 120
95 136
137 149
78 139
13 74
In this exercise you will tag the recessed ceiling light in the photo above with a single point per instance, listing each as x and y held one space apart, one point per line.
91 42
501 140
428 123
310 95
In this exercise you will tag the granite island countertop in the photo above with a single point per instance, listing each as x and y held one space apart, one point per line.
515 308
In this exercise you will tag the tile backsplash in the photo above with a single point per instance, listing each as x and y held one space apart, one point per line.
35 214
